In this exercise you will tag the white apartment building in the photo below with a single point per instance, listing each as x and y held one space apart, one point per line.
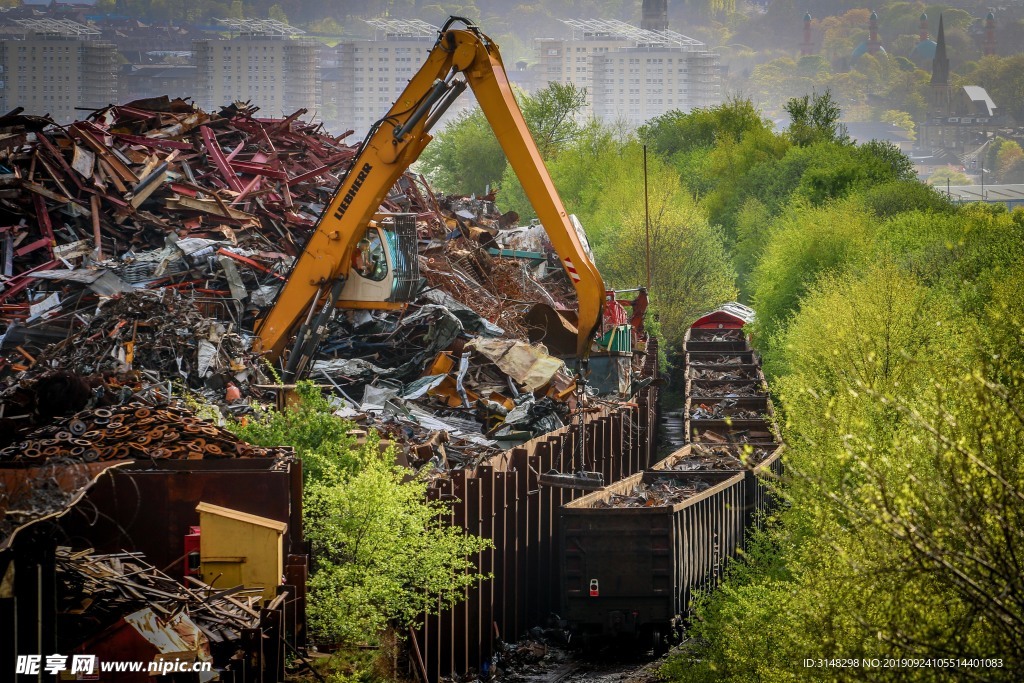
56 66
632 74
374 72
264 61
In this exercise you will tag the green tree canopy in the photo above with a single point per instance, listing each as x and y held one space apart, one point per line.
815 118
466 157
383 558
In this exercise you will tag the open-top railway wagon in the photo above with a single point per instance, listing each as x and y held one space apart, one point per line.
633 553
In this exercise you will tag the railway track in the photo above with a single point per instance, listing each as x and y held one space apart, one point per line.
604 666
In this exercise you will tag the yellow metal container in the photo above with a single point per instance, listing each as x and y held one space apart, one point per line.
237 548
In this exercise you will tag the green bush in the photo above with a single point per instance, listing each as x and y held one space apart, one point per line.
383 556
320 439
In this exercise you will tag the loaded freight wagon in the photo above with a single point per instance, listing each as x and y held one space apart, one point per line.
729 418
761 465
634 553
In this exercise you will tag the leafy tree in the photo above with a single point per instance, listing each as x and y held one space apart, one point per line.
383 557
277 12
466 157
738 169
890 199
551 115
690 269
885 161
837 170
319 438
900 118
1010 161
815 118
965 252
805 243
676 131
752 234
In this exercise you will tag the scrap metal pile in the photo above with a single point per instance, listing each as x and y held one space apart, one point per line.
727 388
133 431
655 492
96 591
727 407
715 457
139 246
153 194
717 373
161 332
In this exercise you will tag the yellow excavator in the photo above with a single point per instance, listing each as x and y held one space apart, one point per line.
357 258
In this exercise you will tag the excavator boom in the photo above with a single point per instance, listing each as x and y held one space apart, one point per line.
460 57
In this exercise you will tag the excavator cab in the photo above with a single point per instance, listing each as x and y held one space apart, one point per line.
385 270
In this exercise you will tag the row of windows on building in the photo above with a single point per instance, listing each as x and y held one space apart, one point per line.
250 60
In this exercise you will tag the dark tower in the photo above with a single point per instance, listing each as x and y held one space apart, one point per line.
940 64
989 46
942 91
654 15
873 42
807 47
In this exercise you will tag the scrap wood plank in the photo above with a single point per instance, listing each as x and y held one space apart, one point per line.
44 192
119 168
56 154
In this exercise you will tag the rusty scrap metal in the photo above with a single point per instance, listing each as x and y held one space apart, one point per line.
96 590
710 373
720 457
120 189
657 492
725 408
133 431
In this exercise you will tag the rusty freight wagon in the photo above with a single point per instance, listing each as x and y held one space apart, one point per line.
761 465
634 552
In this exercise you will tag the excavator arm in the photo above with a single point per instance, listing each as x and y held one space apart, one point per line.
460 57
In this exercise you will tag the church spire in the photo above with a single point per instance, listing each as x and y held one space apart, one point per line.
940 65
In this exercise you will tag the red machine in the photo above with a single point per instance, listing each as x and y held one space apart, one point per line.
191 564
